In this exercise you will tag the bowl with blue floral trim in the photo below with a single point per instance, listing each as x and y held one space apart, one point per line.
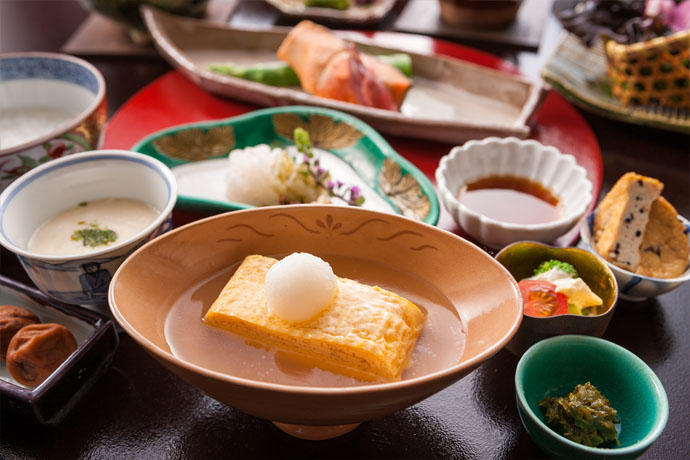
51 105
74 220
632 286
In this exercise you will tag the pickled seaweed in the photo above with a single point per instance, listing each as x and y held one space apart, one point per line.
584 416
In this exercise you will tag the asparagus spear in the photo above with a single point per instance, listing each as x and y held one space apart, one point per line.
401 61
280 74
272 73
334 4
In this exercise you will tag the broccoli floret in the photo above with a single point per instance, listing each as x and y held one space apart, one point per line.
553 263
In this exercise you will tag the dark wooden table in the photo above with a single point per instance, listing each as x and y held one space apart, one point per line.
140 410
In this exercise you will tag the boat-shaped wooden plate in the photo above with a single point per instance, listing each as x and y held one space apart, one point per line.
450 100
355 14
350 150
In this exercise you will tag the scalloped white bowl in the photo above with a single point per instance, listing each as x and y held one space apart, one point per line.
529 159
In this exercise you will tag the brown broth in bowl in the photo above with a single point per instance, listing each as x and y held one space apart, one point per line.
511 199
193 341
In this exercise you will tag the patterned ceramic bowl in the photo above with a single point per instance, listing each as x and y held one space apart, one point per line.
62 184
159 293
51 105
527 159
631 286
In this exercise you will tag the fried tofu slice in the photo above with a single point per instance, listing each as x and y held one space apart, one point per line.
622 217
664 252
366 332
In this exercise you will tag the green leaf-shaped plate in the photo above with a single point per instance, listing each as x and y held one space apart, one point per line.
395 180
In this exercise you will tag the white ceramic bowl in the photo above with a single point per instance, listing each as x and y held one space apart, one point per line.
529 159
631 286
61 184
51 105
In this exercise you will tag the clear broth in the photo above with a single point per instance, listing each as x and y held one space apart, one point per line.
193 341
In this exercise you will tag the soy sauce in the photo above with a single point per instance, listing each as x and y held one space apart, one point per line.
511 199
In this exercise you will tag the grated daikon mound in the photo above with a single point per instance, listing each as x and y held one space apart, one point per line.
299 287
261 176
249 178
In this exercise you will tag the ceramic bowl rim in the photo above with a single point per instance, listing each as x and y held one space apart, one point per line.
168 357
660 420
585 236
571 249
89 156
74 121
569 219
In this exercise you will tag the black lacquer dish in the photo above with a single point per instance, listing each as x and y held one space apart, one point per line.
97 340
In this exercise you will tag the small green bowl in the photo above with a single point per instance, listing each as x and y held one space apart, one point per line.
523 257
554 366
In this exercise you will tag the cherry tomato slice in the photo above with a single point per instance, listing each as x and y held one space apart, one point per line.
540 299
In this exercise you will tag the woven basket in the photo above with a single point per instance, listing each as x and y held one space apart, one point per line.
654 72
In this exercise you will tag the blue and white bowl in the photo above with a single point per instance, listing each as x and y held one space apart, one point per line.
61 184
631 286
51 105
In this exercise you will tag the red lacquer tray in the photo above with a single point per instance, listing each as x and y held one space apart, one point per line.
173 99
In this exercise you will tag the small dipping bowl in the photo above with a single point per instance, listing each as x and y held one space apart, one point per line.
553 367
633 287
51 105
528 159
522 258
61 184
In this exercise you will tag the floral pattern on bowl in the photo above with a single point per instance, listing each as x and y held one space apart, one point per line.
18 72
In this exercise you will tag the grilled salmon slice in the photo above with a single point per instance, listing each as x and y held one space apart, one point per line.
329 67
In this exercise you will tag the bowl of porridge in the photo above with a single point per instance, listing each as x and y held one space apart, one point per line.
316 317
72 221
51 105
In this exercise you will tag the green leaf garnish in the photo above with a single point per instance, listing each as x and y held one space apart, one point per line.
94 236
553 263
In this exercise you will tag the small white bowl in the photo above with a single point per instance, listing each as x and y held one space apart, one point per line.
63 183
529 159
631 286
52 105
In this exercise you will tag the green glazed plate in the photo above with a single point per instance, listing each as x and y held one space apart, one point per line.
392 177
580 74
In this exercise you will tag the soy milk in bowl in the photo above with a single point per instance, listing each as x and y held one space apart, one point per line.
74 220
91 225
